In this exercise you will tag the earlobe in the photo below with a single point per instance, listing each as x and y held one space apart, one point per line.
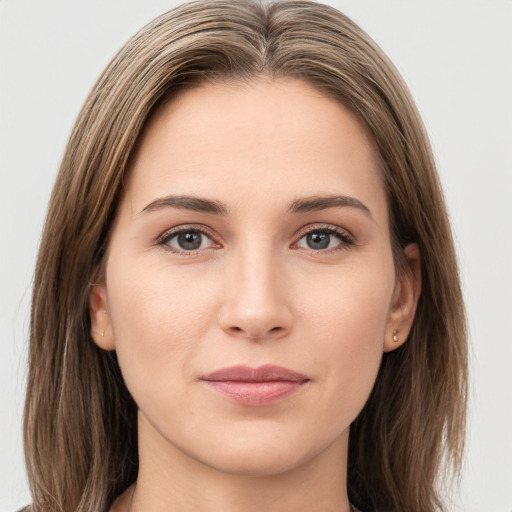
405 300
101 325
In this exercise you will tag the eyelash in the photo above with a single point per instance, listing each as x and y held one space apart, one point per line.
164 239
346 240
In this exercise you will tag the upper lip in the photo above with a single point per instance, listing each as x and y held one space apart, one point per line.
265 373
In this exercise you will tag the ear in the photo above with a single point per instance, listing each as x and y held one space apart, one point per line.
405 300
101 325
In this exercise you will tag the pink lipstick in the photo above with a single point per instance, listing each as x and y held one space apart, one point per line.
255 386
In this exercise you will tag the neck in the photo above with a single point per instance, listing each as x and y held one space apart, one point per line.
170 479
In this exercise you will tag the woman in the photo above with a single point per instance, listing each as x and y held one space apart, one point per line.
246 258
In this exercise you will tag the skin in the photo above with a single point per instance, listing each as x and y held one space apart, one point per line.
253 293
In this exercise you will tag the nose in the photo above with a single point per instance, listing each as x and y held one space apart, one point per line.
255 304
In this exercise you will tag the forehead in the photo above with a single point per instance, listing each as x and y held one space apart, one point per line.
273 139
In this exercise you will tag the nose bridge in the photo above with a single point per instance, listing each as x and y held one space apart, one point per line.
255 303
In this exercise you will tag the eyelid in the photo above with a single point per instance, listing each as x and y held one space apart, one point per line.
346 237
319 226
176 230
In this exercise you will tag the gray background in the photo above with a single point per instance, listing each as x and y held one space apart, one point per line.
456 56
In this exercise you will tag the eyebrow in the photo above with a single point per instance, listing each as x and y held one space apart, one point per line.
193 203
317 203
302 205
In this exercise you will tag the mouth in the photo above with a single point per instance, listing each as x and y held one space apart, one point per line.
255 386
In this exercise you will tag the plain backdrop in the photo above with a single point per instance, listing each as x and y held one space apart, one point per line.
456 57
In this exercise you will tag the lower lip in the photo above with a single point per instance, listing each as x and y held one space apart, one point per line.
255 393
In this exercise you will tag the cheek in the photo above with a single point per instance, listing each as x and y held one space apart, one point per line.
159 318
348 328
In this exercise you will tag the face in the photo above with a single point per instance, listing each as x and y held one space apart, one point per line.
250 289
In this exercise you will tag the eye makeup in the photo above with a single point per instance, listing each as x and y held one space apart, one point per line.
319 238
190 239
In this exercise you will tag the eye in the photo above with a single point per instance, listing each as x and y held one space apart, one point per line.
322 239
187 240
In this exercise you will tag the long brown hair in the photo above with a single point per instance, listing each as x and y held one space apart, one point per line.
80 420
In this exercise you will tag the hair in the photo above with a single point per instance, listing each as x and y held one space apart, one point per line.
80 428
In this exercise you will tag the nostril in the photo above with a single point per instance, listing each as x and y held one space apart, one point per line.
255 323
257 333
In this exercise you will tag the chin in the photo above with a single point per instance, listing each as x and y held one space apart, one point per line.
255 464
262 455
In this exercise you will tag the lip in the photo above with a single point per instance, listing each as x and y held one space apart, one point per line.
264 385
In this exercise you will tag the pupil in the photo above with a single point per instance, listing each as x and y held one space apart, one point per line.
189 241
318 240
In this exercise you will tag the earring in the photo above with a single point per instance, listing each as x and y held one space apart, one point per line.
395 335
102 333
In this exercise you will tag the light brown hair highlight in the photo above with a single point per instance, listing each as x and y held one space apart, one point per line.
80 421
